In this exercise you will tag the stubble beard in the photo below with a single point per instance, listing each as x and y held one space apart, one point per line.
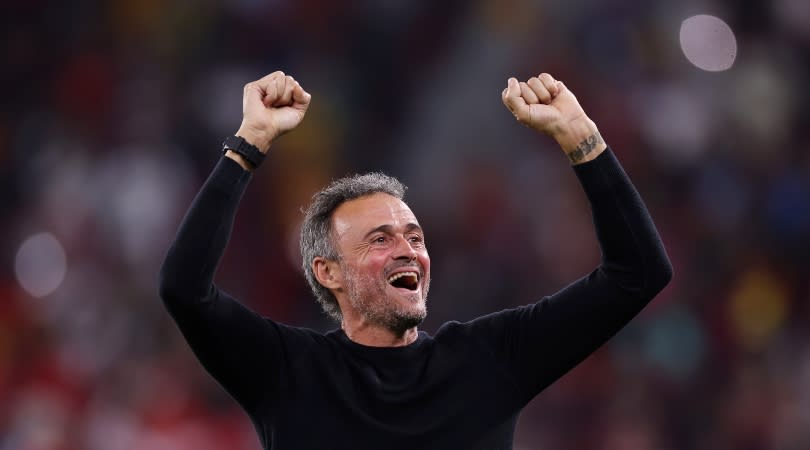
368 296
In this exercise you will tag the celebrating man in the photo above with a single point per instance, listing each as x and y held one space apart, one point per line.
377 382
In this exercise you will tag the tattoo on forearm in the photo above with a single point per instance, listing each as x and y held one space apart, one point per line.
585 147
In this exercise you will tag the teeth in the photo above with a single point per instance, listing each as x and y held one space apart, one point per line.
397 276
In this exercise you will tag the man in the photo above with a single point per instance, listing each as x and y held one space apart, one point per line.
377 382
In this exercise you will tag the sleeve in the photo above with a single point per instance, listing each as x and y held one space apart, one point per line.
538 343
236 346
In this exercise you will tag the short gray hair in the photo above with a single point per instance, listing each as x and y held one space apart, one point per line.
316 231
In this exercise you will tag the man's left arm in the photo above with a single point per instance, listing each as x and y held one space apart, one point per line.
539 343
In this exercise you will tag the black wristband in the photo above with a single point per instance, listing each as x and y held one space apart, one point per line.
248 151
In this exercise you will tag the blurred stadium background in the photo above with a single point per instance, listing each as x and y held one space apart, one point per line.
113 113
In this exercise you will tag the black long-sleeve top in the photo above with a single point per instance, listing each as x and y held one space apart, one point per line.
462 388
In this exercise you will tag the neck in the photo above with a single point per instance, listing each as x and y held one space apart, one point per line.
375 336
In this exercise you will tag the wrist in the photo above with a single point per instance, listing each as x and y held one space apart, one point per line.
581 141
574 132
260 139
587 150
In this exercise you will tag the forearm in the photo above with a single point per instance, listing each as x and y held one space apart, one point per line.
188 269
632 252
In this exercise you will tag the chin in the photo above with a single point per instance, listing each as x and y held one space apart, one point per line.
404 322
407 315
415 307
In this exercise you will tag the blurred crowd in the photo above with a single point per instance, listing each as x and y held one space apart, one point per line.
113 113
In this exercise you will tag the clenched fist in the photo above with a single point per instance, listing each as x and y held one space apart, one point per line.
546 105
271 106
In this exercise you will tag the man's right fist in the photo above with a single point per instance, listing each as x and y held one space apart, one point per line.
271 106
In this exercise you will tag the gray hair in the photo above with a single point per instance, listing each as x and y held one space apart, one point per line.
316 231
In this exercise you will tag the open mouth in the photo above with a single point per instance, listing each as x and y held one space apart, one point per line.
405 280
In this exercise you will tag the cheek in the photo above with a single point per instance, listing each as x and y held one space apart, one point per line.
424 260
375 263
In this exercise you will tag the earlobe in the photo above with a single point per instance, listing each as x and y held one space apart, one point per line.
327 272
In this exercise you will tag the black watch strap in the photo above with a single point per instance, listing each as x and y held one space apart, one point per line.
248 151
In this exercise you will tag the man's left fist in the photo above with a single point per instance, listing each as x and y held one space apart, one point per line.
542 103
546 105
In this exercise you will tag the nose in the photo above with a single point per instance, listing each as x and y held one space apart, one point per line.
404 249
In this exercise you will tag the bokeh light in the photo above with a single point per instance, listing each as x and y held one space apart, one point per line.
40 264
675 343
758 308
708 43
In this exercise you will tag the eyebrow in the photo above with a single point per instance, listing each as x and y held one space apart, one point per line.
388 229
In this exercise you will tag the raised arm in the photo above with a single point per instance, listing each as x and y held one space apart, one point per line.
225 335
632 253
538 343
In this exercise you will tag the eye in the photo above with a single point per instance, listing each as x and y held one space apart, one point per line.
378 240
415 239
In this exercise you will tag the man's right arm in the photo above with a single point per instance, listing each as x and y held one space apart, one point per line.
226 336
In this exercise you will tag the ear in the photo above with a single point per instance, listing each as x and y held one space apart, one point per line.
328 273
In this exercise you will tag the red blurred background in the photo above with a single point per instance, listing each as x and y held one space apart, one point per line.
113 114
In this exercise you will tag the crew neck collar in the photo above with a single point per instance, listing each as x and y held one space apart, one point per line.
414 346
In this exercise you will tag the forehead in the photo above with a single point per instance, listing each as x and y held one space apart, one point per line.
359 216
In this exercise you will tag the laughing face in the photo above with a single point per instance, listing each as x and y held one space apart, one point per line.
385 267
